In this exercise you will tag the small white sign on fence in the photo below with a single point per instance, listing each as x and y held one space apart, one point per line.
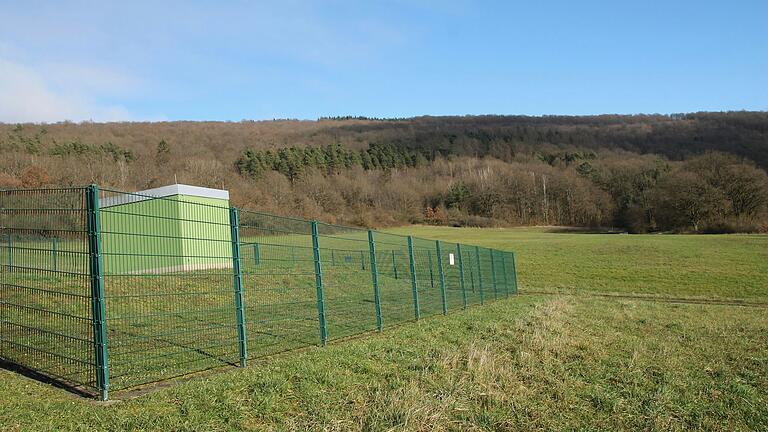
450 258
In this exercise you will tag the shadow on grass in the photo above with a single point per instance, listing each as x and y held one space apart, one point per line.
75 389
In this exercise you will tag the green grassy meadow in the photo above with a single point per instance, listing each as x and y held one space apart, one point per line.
558 357
690 266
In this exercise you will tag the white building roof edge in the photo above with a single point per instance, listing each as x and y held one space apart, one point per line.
165 191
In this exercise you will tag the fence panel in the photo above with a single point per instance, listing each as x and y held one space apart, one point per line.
45 298
453 284
279 283
512 270
500 275
427 277
168 284
485 272
471 276
350 301
395 279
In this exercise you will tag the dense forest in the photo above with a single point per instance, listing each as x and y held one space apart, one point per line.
700 172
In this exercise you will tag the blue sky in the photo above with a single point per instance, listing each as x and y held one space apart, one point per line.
234 60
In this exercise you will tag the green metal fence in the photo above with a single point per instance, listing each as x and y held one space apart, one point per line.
104 290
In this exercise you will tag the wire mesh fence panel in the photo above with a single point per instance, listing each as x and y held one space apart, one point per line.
490 273
505 289
500 274
348 289
168 286
427 277
279 283
453 276
45 298
395 279
511 272
471 276
485 271
486 274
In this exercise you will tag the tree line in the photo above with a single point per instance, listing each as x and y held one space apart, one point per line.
330 159
700 172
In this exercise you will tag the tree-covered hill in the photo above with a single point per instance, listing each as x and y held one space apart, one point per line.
699 171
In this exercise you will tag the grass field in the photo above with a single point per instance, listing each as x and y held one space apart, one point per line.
537 361
691 266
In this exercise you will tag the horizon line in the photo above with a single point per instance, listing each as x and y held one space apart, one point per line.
374 118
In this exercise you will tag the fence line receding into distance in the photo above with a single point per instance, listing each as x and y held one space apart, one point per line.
142 289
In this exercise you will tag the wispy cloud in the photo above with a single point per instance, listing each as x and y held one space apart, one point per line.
205 55
57 92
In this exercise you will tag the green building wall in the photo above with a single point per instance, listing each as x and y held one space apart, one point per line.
169 234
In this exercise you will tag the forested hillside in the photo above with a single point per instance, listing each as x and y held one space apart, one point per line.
688 172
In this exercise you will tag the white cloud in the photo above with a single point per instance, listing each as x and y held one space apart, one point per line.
58 92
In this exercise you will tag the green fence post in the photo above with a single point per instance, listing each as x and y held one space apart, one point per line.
504 272
293 256
333 258
98 316
394 264
414 284
493 277
319 284
375 279
479 274
256 254
461 275
431 273
514 273
234 228
442 276
53 255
